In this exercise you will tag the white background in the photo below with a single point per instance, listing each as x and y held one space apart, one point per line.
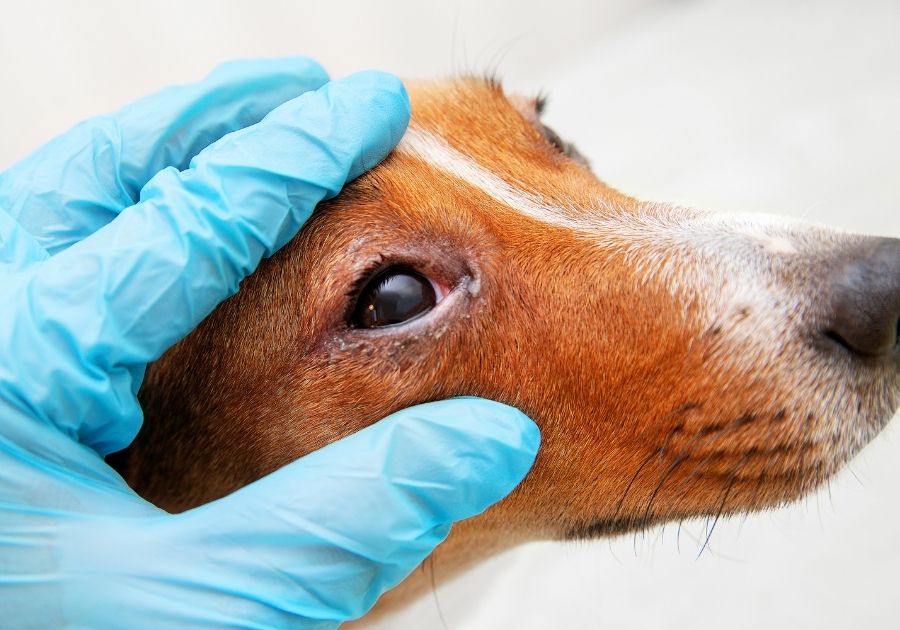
771 105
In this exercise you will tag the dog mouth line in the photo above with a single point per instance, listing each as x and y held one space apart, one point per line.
766 490
735 481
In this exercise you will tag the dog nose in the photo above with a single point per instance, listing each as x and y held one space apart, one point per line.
865 299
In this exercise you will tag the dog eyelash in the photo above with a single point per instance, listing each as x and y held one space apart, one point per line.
359 283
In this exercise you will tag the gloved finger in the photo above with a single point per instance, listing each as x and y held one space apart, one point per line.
80 181
102 309
43 471
324 537
18 248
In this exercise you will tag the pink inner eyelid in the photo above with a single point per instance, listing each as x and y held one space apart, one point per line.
440 289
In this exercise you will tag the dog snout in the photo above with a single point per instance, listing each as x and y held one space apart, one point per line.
863 299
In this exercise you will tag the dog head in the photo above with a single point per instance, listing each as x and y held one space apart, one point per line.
679 363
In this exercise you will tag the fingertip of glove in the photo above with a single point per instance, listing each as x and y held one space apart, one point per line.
384 98
386 88
494 447
517 430
512 422
491 435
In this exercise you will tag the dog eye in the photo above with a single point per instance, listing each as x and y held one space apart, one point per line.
392 297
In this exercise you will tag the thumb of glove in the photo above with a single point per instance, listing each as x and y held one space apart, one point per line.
318 541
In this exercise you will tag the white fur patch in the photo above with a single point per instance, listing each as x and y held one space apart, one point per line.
727 271
435 151
718 258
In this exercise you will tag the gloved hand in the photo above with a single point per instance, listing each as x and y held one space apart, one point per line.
116 239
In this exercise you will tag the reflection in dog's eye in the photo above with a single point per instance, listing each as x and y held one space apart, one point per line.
394 296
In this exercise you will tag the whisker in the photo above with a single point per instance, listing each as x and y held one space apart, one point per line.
612 551
437 603
631 483
852 472
672 467
728 489
678 535
703 434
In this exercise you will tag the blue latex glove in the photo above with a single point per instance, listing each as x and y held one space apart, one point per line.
115 241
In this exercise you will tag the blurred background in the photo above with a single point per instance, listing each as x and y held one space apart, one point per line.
771 105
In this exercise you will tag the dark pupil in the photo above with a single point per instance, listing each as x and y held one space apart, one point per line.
392 298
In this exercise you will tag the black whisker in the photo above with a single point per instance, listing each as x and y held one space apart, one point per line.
731 483
630 483
674 465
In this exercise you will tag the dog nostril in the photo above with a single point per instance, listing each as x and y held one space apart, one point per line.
864 303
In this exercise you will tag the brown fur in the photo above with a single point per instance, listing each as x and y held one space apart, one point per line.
654 403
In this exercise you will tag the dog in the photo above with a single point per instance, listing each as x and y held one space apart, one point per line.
679 363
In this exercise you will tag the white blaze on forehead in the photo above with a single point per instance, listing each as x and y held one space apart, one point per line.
435 151
684 249
651 231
